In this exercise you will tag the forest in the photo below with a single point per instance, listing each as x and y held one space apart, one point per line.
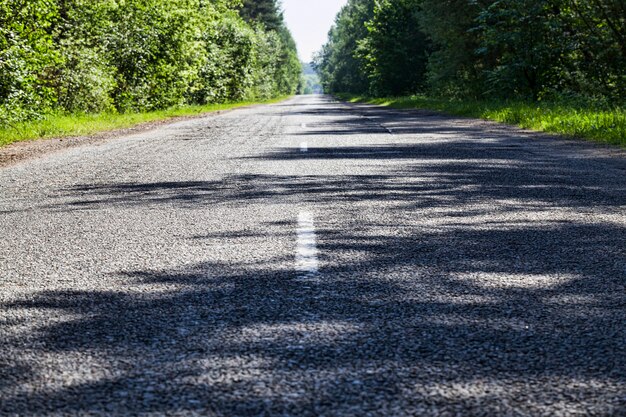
570 51
310 83
125 56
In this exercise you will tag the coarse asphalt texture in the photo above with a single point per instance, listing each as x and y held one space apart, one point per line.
457 268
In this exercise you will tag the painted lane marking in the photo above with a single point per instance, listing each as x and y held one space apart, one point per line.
304 147
307 264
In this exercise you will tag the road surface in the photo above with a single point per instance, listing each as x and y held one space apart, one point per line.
312 258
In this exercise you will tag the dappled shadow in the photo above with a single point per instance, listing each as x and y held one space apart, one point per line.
431 175
497 306
519 312
423 151
341 119
401 124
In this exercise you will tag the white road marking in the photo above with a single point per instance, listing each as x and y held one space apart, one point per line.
304 147
307 264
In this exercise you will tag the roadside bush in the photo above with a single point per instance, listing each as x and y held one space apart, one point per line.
92 56
86 81
533 50
27 59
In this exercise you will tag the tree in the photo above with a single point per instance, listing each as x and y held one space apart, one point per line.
136 55
265 12
27 59
454 69
340 67
528 49
597 63
526 37
285 60
395 49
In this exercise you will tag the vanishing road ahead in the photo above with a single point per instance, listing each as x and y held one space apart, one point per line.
312 258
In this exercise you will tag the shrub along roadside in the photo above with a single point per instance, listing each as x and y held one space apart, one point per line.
530 50
601 125
104 56
59 126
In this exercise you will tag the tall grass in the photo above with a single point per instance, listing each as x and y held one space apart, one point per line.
601 125
65 125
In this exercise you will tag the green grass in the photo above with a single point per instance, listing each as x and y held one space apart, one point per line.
601 125
58 126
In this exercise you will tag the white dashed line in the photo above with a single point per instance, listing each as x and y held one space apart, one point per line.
304 147
307 264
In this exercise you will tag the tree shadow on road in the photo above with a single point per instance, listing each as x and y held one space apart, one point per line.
403 319
410 321
426 174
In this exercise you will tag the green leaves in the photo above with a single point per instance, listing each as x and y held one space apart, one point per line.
395 49
572 50
136 55
341 67
27 59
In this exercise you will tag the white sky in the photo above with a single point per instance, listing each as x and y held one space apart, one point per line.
309 22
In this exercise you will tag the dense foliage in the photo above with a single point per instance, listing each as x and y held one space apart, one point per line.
341 68
527 49
137 55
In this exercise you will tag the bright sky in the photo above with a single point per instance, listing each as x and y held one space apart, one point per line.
309 22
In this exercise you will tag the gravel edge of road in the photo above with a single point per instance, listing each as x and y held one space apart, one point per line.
22 151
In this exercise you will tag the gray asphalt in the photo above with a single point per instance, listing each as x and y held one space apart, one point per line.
463 268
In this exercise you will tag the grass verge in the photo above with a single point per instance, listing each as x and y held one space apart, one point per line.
601 125
58 126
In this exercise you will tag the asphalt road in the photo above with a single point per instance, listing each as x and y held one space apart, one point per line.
311 258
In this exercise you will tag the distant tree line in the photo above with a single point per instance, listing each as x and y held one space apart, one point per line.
526 49
310 82
140 55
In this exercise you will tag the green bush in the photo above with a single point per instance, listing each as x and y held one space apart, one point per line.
27 59
537 50
93 56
